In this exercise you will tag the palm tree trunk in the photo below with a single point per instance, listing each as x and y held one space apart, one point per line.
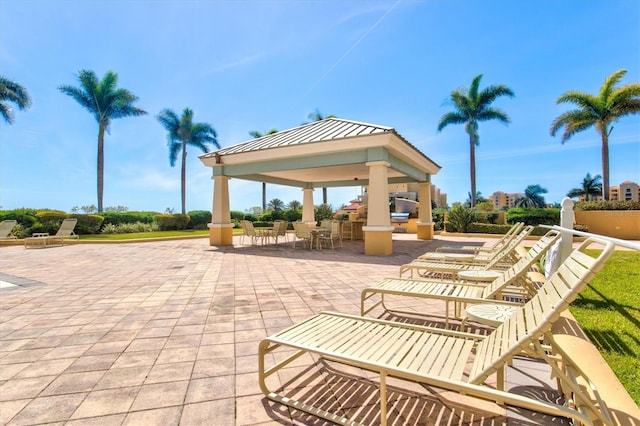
183 177
100 165
472 167
324 196
605 163
264 196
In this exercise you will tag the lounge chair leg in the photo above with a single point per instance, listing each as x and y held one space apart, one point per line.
383 398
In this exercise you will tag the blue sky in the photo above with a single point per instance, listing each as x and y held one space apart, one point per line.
256 65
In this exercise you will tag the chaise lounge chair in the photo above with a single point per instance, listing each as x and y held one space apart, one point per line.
505 253
6 227
439 268
514 281
64 232
441 358
501 243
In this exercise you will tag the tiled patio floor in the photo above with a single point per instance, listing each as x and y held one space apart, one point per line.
167 333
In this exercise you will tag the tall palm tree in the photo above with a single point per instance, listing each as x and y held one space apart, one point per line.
591 186
600 111
276 204
10 91
294 205
318 116
105 102
532 197
471 107
182 132
256 134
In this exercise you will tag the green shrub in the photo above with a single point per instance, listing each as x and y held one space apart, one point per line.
49 221
171 222
488 228
25 217
262 224
292 215
533 216
199 219
438 220
250 217
607 205
236 215
116 218
461 217
129 228
266 217
324 211
87 223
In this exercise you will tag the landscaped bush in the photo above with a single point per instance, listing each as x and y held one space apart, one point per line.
533 216
262 224
171 222
236 215
116 218
488 228
25 217
129 228
607 205
438 220
199 219
87 223
250 217
292 215
266 217
459 218
49 221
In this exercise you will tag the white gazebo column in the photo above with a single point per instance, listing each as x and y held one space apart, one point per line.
377 233
220 228
425 221
308 209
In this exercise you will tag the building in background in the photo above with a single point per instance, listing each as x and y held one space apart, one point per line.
502 199
626 191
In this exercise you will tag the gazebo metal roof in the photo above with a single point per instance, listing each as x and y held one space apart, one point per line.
328 153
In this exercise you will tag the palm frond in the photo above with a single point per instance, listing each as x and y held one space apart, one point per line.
451 118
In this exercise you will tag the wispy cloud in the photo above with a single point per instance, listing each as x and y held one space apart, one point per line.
354 45
237 63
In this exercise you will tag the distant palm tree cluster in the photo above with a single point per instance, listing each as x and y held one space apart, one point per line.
106 102
612 102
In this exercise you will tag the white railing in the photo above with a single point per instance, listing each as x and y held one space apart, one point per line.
616 241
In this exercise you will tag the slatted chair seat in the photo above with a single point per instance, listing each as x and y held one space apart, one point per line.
437 357
442 267
514 281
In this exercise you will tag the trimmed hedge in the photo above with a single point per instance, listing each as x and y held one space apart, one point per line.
533 216
488 228
171 222
199 219
87 223
116 218
607 205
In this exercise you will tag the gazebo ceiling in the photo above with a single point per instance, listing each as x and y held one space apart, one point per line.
328 153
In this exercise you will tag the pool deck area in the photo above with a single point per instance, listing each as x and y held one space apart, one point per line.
167 333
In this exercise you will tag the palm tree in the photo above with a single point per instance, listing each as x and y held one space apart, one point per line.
294 205
611 103
182 132
256 134
105 102
317 116
532 197
590 186
276 204
471 107
11 91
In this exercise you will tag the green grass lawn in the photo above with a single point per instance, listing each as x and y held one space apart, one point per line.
609 312
145 235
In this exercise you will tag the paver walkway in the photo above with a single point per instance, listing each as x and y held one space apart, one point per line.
167 332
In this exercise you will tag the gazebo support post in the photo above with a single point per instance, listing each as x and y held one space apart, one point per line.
377 233
308 209
220 228
425 220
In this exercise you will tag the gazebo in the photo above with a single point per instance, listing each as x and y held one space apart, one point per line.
330 153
